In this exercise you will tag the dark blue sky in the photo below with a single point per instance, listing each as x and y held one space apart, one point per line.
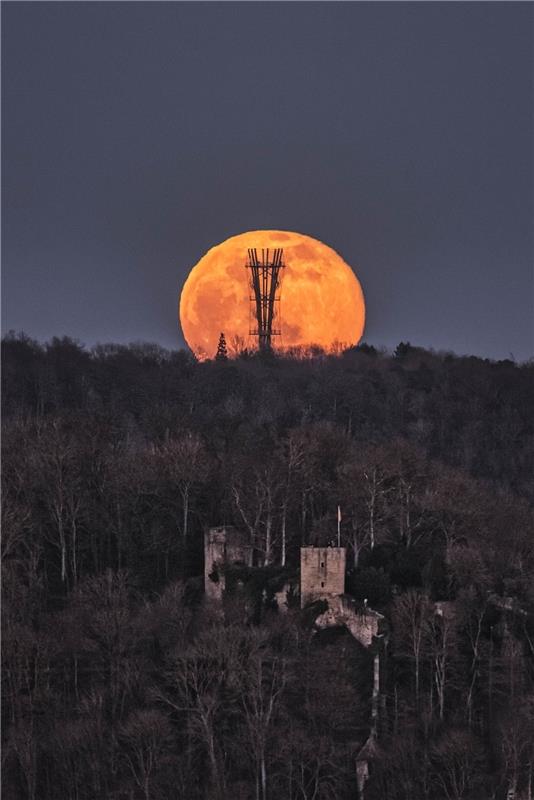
137 135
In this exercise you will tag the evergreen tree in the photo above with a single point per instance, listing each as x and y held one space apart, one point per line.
222 350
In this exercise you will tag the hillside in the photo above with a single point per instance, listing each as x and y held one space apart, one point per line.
120 682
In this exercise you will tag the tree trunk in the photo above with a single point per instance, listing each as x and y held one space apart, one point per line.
376 693
372 521
63 546
213 763
268 539
283 555
185 496
74 562
263 776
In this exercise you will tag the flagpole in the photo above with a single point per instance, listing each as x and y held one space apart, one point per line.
338 526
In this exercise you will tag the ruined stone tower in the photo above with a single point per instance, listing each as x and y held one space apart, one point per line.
322 573
223 546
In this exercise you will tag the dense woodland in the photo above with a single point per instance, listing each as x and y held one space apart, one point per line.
120 682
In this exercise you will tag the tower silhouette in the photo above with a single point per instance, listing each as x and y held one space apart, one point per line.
265 293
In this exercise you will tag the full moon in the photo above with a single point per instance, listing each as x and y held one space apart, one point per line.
321 298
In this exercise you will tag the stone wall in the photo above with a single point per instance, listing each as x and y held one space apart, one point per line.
362 622
223 545
322 573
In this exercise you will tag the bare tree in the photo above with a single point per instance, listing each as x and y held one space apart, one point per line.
146 736
471 616
412 615
516 735
185 463
118 477
80 749
293 460
263 679
258 493
200 681
442 647
22 742
457 760
314 765
106 615
60 479
365 487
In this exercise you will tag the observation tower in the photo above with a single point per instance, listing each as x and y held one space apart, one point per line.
265 293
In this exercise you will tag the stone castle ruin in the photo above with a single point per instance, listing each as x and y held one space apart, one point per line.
223 546
322 573
322 577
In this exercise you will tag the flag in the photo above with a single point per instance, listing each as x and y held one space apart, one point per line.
338 514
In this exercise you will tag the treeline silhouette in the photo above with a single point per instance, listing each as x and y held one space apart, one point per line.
119 682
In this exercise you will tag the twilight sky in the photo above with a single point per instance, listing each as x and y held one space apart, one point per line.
138 135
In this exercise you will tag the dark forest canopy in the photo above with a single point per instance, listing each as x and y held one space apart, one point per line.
117 680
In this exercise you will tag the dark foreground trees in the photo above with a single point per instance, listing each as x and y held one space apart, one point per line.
119 683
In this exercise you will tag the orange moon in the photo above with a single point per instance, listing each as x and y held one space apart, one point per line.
321 298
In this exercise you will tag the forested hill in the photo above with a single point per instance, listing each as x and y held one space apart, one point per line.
470 412
114 462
